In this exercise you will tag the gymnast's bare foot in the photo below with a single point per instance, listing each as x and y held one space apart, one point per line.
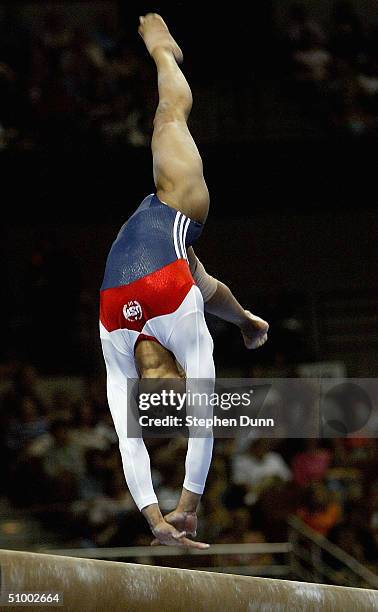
155 34
254 331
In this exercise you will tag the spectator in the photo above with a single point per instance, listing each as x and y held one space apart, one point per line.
106 33
64 455
259 468
122 127
311 60
300 26
240 531
93 483
86 432
311 464
24 383
26 425
319 511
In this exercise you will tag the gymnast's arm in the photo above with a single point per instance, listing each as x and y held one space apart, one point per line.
220 301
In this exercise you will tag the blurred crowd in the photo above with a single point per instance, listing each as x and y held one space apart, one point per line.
71 86
333 68
60 464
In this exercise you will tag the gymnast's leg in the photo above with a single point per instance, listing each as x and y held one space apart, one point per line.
177 164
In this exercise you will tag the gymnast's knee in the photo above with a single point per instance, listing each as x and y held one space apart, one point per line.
172 110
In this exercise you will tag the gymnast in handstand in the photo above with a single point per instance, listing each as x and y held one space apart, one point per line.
155 292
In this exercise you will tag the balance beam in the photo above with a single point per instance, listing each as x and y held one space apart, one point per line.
89 585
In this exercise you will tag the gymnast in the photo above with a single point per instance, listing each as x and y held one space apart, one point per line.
155 292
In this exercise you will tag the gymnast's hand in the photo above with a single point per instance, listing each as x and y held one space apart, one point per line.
254 331
167 534
183 521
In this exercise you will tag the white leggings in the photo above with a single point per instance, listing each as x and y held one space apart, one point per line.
185 333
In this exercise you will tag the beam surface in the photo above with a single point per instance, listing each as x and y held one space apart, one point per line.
89 585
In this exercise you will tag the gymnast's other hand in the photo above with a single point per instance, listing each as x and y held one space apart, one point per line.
183 520
168 535
254 331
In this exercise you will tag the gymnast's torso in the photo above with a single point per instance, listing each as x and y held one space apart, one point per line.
155 236
147 272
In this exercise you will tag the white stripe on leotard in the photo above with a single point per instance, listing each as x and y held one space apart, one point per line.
181 231
187 222
175 234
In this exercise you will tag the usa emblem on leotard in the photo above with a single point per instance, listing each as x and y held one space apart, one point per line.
132 311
